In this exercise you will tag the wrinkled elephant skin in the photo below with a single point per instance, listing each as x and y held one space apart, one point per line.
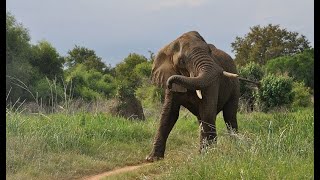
199 77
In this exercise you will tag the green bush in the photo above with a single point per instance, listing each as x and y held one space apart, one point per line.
150 95
89 94
143 69
91 84
253 72
300 66
48 91
131 69
301 95
124 90
275 91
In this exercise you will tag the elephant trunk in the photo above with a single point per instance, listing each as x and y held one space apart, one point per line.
205 70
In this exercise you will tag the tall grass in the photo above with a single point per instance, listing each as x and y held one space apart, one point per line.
269 146
69 146
276 145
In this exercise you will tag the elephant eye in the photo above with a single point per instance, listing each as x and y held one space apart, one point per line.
182 61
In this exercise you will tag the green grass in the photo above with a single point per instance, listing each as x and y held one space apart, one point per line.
277 145
270 146
71 146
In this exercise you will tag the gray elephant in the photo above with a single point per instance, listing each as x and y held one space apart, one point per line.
199 77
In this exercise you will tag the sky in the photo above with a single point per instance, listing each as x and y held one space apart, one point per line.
116 28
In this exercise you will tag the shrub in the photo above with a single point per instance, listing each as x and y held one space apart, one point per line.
91 84
253 72
275 91
49 91
150 95
301 95
126 104
143 69
124 90
300 66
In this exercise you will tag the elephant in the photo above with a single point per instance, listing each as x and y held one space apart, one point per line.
199 77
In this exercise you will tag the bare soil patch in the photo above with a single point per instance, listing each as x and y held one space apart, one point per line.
116 171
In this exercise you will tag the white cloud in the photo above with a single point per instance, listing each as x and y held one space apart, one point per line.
163 4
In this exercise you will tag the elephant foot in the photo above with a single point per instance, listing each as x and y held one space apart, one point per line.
152 158
156 154
206 144
234 136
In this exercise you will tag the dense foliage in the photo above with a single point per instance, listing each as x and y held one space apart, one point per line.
28 66
264 43
47 60
299 66
275 91
87 57
90 84
301 95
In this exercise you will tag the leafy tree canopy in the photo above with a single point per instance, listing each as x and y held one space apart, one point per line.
17 39
129 74
125 69
90 84
47 60
19 71
87 57
300 66
264 43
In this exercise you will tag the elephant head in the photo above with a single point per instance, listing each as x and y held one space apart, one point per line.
186 63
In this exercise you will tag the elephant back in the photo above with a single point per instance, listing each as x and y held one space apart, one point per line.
223 59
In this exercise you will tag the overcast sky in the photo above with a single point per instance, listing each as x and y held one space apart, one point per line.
115 28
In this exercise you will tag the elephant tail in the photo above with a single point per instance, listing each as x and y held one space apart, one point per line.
250 81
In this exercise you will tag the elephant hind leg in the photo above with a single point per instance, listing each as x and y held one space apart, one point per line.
230 115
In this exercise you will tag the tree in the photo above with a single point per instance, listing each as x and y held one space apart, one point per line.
264 43
87 57
90 84
300 66
17 39
152 56
47 60
19 71
143 70
130 69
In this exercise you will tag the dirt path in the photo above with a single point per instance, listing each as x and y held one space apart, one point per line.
116 171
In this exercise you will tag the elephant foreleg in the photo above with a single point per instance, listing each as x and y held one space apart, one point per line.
169 116
191 101
208 134
230 115
208 112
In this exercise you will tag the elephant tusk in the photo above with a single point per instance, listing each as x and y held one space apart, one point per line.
230 74
199 94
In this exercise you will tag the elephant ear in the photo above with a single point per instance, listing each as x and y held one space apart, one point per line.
163 68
